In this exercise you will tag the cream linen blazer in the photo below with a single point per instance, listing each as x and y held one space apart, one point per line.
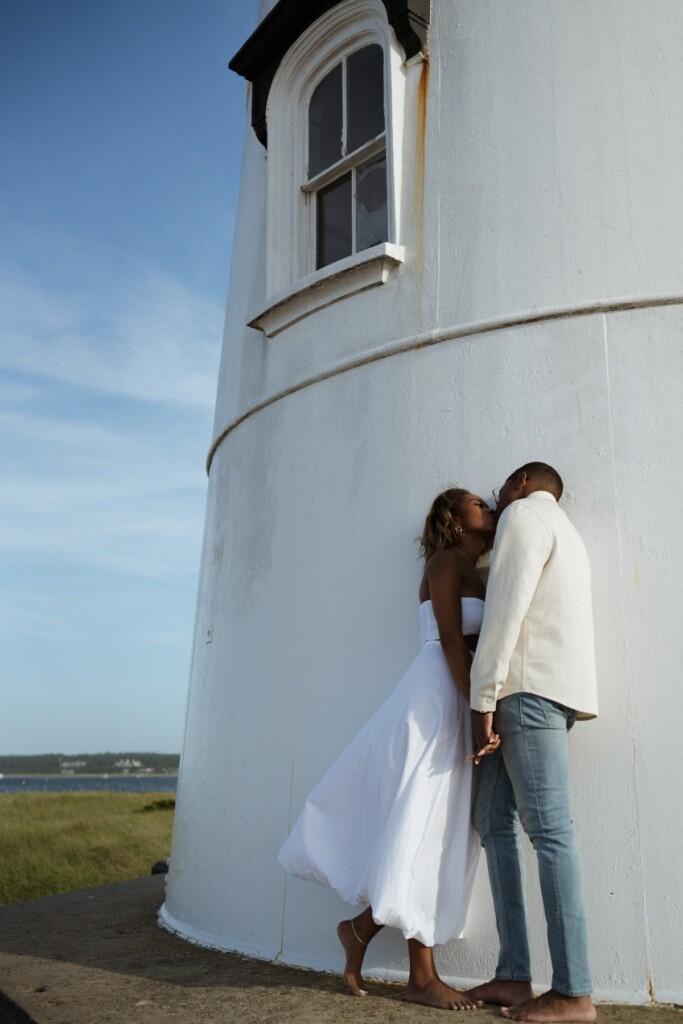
537 632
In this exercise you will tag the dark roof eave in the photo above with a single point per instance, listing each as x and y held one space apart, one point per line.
260 56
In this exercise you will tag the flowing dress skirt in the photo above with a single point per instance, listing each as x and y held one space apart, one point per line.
389 824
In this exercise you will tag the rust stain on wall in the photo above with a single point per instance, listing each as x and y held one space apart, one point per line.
419 180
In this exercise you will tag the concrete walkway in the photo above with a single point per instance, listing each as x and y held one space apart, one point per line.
98 957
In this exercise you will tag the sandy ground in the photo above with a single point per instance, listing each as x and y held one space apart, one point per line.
98 957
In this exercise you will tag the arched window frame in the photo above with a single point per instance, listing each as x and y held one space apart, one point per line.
294 288
350 162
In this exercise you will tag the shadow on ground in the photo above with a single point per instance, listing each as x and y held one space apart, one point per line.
98 957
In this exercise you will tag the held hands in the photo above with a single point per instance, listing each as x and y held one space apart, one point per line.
485 739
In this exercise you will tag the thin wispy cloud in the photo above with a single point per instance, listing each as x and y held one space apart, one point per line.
106 401
145 336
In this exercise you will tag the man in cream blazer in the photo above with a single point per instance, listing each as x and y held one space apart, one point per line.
532 677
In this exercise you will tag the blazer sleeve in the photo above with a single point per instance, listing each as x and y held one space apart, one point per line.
521 549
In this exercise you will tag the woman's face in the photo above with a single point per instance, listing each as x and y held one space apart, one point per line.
475 515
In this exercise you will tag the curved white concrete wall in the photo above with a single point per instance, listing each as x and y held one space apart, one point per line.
538 315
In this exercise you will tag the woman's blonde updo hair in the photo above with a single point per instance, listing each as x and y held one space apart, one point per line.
441 530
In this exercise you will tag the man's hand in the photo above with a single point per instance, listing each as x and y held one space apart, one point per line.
485 739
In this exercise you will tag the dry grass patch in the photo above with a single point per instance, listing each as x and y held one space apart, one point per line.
58 842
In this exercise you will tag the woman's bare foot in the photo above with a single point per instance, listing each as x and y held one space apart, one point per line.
552 1007
354 951
438 993
502 993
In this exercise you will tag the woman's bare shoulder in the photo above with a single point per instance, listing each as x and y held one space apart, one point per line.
450 559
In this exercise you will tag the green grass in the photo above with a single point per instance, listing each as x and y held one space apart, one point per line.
58 842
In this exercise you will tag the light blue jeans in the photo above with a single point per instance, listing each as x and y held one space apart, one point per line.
526 780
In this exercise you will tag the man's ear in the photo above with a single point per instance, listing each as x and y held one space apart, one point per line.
521 480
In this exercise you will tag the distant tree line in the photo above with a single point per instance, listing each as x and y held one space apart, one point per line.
88 764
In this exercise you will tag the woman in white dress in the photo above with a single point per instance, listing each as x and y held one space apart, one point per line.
389 824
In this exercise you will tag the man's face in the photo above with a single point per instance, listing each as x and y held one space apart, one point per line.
510 491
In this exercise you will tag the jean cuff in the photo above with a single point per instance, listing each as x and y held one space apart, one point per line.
499 977
573 995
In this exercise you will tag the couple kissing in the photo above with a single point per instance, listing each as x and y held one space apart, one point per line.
471 743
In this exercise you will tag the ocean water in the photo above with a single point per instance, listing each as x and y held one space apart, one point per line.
88 783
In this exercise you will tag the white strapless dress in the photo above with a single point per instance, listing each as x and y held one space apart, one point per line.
389 824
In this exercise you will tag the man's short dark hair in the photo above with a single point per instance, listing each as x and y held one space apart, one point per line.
543 472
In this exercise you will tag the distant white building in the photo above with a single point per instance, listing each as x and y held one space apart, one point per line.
127 764
459 247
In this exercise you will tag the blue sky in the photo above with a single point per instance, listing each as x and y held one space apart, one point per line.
119 171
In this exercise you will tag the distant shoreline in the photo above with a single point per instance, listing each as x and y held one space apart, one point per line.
89 775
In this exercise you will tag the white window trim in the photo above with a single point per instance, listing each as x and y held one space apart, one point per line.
323 287
290 236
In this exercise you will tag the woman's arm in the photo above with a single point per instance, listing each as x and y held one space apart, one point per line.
443 573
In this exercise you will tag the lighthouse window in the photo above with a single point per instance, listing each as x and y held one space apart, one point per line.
347 167
340 112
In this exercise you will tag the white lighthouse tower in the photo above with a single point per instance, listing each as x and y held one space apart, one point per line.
459 247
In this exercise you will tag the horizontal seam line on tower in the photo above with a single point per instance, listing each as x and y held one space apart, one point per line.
435 337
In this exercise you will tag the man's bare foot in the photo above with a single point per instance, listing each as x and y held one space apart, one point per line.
552 1007
354 951
502 993
438 993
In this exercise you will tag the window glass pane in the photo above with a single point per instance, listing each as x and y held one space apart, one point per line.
325 123
365 95
334 240
371 203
